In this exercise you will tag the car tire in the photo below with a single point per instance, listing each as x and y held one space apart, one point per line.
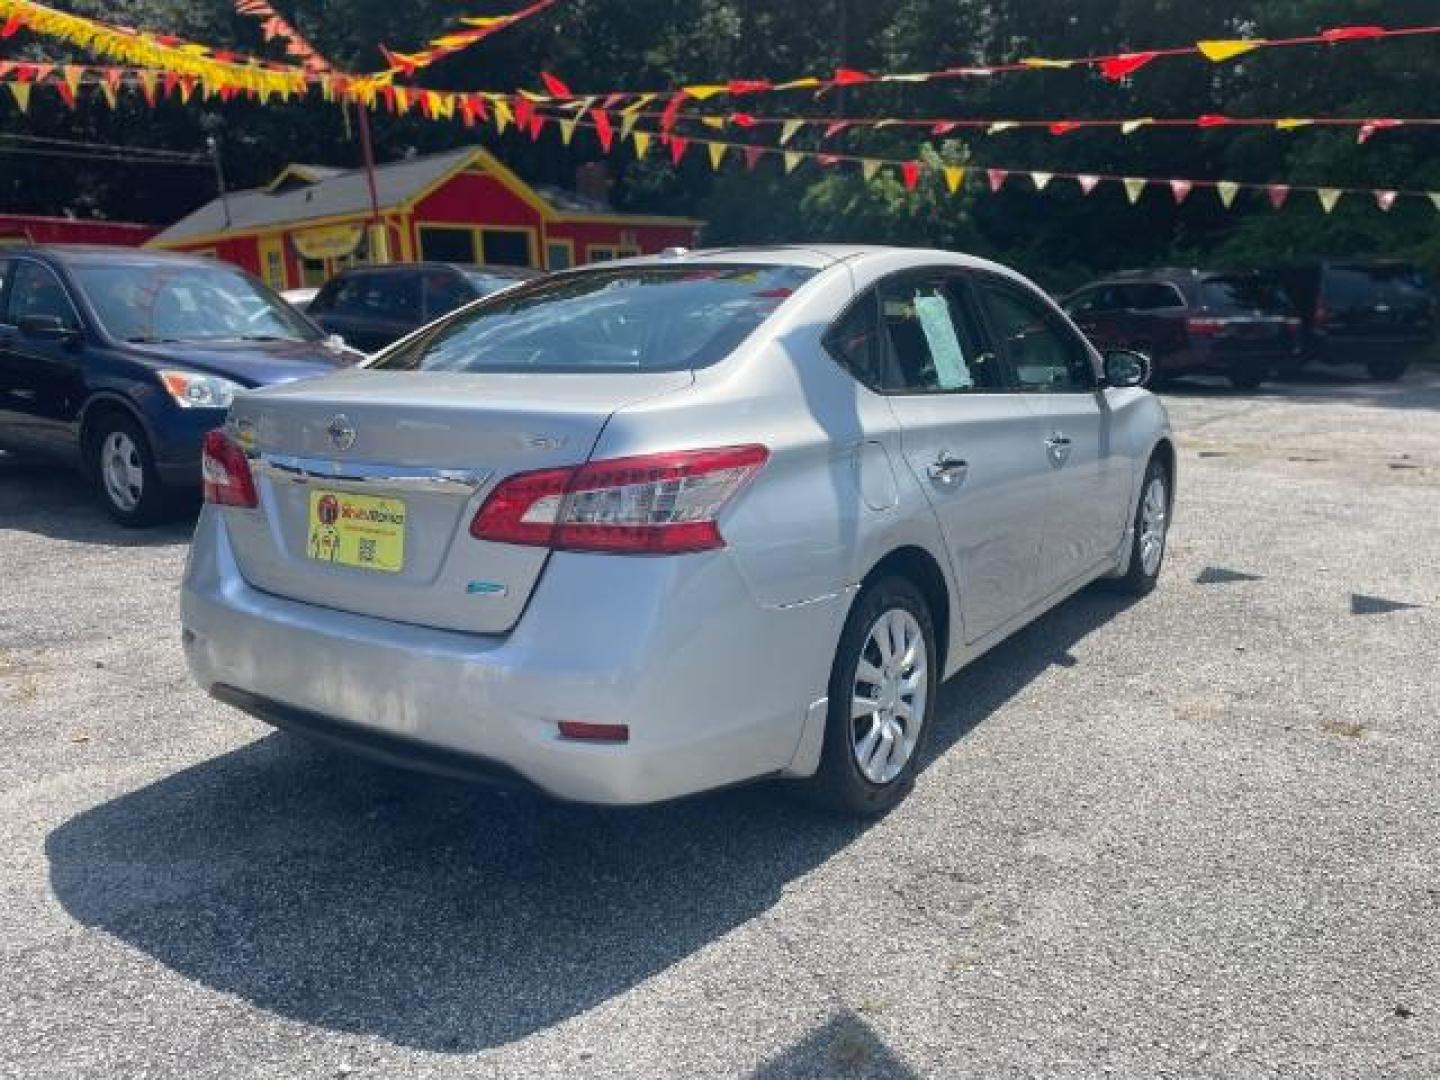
868 762
1387 370
1147 550
1247 379
122 467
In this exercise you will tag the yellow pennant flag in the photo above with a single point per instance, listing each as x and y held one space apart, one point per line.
627 125
112 99
1042 62
1290 123
567 129
72 74
402 99
954 177
1134 188
792 159
500 108
789 130
642 144
807 83
21 90
1329 198
1220 51
717 154
1435 198
868 168
701 93
634 106
1129 127
1228 189
714 123
1041 179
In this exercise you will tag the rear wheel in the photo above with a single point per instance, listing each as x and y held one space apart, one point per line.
1242 378
882 699
1152 526
1387 370
123 469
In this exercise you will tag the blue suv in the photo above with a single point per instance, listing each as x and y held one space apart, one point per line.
119 361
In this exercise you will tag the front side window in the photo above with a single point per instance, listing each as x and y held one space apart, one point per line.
37 293
1043 351
150 302
647 318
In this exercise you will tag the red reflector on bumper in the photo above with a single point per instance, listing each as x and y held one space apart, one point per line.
611 733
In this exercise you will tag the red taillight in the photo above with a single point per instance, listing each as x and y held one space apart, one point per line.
654 504
1322 314
225 473
611 733
1204 327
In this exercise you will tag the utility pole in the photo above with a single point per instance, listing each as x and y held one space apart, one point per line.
379 241
214 148
842 58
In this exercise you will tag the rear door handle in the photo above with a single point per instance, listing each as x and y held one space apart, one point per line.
947 469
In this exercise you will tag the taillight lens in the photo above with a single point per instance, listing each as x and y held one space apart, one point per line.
1204 327
225 472
654 504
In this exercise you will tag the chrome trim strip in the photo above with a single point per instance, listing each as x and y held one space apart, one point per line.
298 470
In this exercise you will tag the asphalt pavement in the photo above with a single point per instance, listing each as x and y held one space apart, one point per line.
1190 836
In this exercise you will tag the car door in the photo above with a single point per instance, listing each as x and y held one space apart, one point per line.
1089 475
42 379
970 439
9 436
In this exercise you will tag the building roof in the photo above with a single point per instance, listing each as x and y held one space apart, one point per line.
336 193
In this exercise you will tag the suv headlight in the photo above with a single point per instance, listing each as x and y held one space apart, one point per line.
195 391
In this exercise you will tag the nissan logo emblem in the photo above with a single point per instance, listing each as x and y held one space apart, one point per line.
341 432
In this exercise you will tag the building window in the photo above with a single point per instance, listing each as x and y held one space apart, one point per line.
559 255
505 247
608 252
274 269
440 243
313 273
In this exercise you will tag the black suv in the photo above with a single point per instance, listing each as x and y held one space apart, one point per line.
1377 313
372 306
1192 322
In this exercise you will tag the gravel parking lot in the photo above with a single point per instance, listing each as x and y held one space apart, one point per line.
1191 836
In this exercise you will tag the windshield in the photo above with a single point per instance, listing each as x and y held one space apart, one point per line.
150 302
1243 293
645 318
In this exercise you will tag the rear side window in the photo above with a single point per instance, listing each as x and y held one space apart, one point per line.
1242 292
1364 286
933 337
640 318
1154 296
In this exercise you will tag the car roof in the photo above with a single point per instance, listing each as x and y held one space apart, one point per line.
70 254
810 256
421 267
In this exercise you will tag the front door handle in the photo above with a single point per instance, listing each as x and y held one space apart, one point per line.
947 469
1057 447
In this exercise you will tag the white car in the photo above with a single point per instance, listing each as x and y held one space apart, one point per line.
642 529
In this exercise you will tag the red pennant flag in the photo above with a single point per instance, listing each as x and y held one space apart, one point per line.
68 96
678 147
1352 33
944 128
1116 68
827 159
1181 190
1210 120
1087 183
536 126
1385 199
1064 127
851 77
835 129
736 87
172 83
743 120
524 110
752 156
1370 127
603 129
910 173
113 76
996 178
1278 194
555 87
672 111
12 26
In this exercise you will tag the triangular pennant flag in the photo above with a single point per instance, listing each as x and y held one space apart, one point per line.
603 130
1134 187
627 124
1116 68
789 130
910 174
945 127
148 83
1041 179
1000 125
556 86
1435 198
996 177
1329 197
500 108
810 82
792 159
868 168
835 128
1181 190
1042 62
714 123
1088 182
21 92
642 143
672 111
73 74
1372 126
1220 51
1129 127
112 98
753 154
567 129
851 77
1227 189
678 146
717 154
1385 199
1064 127
1290 123
1278 193
1210 120
701 93
954 178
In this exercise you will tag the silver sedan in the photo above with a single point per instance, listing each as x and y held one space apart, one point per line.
652 527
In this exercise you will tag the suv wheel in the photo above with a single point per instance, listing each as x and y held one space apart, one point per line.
123 468
1387 370
882 700
1247 378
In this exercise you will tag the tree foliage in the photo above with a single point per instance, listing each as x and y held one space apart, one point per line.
1059 236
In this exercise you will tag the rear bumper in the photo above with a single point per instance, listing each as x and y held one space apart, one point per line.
714 688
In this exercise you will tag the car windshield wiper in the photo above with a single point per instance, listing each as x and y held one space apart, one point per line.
150 339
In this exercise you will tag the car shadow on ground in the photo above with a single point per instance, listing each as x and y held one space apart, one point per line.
1419 389
449 918
52 500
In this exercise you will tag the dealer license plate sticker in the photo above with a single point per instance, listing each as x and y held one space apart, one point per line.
362 531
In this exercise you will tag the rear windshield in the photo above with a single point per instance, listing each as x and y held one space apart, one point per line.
644 318
1243 293
1361 286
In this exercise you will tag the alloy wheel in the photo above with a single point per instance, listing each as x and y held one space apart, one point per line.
888 698
1153 514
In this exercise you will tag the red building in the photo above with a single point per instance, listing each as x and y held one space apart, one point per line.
32 229
461 206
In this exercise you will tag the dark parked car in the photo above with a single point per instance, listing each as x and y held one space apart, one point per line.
372 306
1376 313
1193 322
120 361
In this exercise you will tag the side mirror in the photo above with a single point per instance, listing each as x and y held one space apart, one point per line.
1125 368
44 327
